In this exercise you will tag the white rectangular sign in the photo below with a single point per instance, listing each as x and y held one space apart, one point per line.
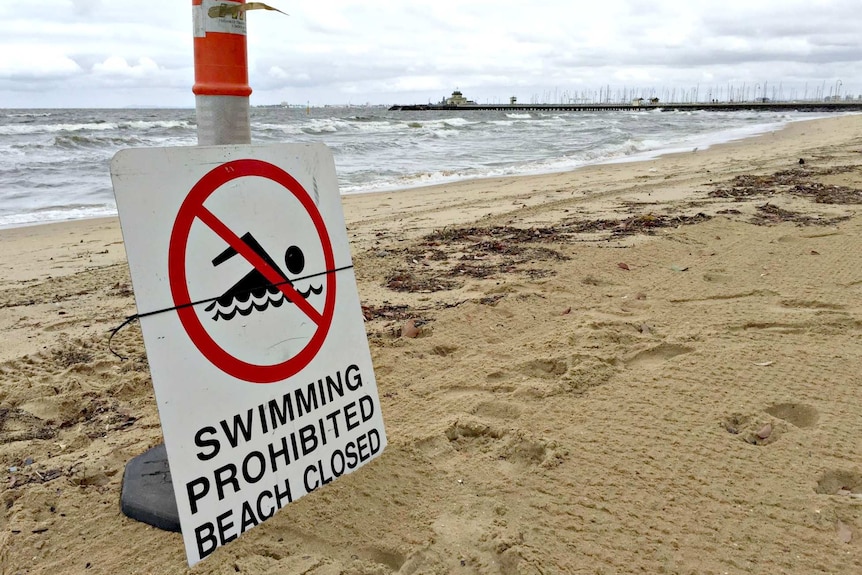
204 22
253 328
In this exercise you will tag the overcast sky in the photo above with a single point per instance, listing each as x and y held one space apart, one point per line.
118 53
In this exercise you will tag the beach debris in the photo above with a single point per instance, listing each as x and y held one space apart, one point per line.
409 329
623 266
473 252
764 432
509 236
769 214
479 270
121 289
566 311
845 534
801 161
385 311
679 268
797 182
407 281
645 329
815 253
763 363
491 300
73 353
539 273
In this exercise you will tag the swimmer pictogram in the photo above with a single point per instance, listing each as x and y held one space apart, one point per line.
254 292
305 284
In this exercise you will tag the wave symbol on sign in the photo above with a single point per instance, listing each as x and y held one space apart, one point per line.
254 292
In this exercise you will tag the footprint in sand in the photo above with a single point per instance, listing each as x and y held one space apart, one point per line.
840 482
474 437
546 368
444 350
18 425
654 357
797 414
758 430
497 410
752 429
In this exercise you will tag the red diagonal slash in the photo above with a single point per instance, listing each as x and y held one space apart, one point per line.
258 262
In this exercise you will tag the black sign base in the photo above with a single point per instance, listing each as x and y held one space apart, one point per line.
148 494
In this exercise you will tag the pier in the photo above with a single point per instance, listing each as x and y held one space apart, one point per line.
807 106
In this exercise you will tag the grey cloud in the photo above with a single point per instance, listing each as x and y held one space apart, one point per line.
37 85
86 7
807 20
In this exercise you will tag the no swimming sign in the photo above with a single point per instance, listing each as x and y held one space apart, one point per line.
253 328
265 285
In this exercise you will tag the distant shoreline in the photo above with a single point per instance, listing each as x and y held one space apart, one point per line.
853 106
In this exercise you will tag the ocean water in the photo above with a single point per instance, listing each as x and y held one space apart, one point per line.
54 164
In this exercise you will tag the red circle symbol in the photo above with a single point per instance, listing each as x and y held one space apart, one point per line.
192 209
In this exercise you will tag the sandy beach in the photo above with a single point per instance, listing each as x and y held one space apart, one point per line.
647 367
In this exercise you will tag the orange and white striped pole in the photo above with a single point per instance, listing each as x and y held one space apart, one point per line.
221 72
